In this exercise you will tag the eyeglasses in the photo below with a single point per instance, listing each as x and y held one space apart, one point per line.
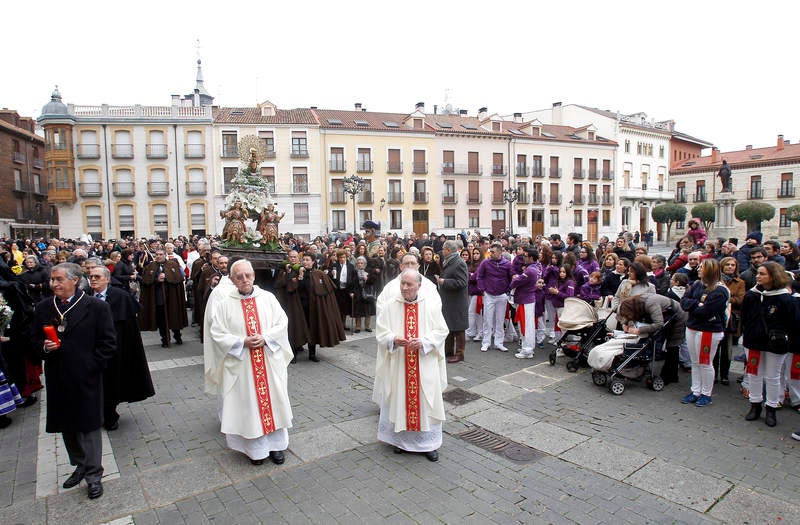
95 277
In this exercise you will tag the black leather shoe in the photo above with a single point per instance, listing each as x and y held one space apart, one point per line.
95 489
73 479
277 457
432 455
398 450
30 400
256 461
313 357
112 426
178 340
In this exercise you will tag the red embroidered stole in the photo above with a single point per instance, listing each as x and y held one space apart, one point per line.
705 348
520 318
257 359
794 371
753 360
412 369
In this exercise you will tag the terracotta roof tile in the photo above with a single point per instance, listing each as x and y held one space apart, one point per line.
741 158
253 116
21 131
375 121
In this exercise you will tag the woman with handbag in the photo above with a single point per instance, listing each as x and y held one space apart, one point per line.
729 267
365 295
705 301
768 318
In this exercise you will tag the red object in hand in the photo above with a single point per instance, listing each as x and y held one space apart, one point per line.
50 334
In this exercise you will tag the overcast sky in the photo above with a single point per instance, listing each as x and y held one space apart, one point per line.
726 72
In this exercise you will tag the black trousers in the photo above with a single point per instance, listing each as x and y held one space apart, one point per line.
722 359
85 450
162 325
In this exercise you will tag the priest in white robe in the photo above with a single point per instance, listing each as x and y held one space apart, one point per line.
410 371
250 356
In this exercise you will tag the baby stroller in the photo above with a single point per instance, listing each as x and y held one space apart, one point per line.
581 330
636 362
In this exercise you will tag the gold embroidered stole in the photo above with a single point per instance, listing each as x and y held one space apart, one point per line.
257 359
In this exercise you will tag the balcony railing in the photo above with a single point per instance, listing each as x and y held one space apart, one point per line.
123 189
608 175
555 199
594 199
497 198
449 199
38 163
19 157
90 189
366 197
420 197
538 198
229 151
419 167
196 187
122 151
337 165
474 199
395 197
465 169
158 188
156 151
700 197
607 199
338 197
522 198
299 188
785 193
394 167
578 174
594 175
537 172
299 153
522 170
755 194
364 166
499 170
555 173
680 198
577 199
194 151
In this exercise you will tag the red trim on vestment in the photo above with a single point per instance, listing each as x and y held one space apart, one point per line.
253 327
412 369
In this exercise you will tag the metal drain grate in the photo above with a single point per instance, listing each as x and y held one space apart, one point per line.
499 445
459 396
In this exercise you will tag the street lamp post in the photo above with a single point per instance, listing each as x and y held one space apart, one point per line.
510 195
353 185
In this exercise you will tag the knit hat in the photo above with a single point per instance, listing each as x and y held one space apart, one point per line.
755 235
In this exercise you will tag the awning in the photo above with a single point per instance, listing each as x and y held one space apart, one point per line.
25 226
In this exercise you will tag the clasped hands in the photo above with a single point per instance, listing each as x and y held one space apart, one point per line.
254 341
411 344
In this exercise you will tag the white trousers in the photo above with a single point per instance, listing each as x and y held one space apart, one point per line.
528 338
549 319
702 375
494 313
540 331
475 326
769 372
792 385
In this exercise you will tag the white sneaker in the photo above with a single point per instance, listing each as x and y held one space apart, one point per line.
502 348
484 349
523 355
796 435
559 352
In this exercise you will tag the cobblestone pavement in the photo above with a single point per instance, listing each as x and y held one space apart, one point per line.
641 457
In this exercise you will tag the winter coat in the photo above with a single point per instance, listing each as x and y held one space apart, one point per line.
453 291
37 282
774 308
710 317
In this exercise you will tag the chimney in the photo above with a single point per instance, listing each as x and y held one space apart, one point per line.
482 113
358 106
363 109
420 106
557 119
462 112
749 146
787 142
715 155
518 118
435 109
780 142
176 100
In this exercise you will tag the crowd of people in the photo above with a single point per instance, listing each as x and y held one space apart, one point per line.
493 290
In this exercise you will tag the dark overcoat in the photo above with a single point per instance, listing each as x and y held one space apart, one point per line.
174 300
127 377
290 301
74 372
454 293
324 323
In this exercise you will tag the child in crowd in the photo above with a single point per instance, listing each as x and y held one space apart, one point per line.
677 288
590 291
696 232
564 287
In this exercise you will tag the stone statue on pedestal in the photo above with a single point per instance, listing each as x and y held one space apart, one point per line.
724 175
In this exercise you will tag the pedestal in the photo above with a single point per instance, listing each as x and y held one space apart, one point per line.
265 264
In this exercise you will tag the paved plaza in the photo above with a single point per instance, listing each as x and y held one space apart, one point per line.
555 448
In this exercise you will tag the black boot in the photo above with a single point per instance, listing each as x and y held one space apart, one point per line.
770 419
755 412
312 353
294 355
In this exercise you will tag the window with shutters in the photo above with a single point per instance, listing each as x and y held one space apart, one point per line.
301 213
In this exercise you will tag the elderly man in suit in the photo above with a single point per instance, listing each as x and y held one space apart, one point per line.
80 341
127 377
